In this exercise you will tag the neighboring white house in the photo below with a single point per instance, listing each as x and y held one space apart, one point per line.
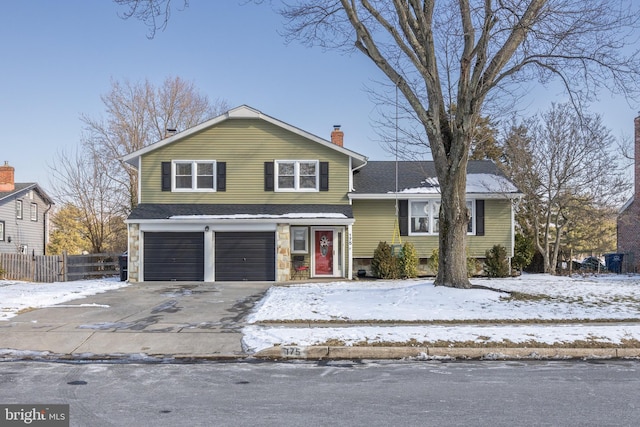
24 215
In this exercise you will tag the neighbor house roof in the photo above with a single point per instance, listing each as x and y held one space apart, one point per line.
416 179
242 113
23 187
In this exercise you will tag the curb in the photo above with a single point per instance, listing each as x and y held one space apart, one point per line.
382 353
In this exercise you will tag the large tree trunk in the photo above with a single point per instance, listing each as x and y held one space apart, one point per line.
454 218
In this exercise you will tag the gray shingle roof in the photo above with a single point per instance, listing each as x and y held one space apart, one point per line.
379 176
21 187
164 211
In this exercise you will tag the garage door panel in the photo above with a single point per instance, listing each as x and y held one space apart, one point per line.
246 256
174 256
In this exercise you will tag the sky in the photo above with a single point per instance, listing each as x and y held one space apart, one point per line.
565 303
58 58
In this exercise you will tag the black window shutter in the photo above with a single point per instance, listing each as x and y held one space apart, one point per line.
268 176
403 217
221 176
479 217
324 176
166 176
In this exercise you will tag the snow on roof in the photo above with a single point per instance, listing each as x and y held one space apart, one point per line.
476 183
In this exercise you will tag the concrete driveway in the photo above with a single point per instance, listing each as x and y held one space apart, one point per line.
159 319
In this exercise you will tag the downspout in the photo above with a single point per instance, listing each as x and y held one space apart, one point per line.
45 229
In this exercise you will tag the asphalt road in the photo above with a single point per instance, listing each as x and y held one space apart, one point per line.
483 393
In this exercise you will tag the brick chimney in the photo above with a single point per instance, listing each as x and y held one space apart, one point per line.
337 136
7 181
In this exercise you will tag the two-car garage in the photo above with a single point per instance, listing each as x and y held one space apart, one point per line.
181 256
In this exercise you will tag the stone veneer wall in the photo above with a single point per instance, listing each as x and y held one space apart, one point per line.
134 252
283 260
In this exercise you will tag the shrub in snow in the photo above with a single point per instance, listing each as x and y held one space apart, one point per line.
472 264
433 261
523 252
384 264
496 263
409 261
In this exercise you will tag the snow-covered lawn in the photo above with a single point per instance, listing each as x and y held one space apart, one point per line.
547 309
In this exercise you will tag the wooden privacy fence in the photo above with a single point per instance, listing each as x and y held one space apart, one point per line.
58 268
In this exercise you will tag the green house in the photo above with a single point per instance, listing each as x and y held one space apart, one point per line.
245 196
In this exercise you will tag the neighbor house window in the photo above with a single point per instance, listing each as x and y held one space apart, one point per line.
19 209
1 231
194 175
299 240
297 175
34 211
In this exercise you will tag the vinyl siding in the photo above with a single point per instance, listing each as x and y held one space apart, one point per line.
23 231
245 145
375 222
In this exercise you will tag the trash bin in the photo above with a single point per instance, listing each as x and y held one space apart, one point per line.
124 264
614 262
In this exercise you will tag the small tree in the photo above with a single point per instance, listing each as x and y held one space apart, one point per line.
523 252
433 261
409 261
496 264
384 264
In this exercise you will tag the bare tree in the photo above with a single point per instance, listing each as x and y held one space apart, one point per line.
139 114
468 53
567 167
79 180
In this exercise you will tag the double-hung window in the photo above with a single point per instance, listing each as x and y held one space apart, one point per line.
471 207
299 240
424 216
1 231
194 175
34 212
297 175
19 209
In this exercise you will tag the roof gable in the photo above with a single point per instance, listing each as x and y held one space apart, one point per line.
23 188
241 113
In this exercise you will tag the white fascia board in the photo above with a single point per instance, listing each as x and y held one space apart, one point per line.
434 195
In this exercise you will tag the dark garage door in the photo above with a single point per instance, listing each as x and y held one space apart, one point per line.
244 256
174 256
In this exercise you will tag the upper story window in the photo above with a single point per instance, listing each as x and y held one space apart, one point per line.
34 211
19 209
297 175
1 231
194 175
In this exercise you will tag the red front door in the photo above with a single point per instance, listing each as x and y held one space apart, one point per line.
323 252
